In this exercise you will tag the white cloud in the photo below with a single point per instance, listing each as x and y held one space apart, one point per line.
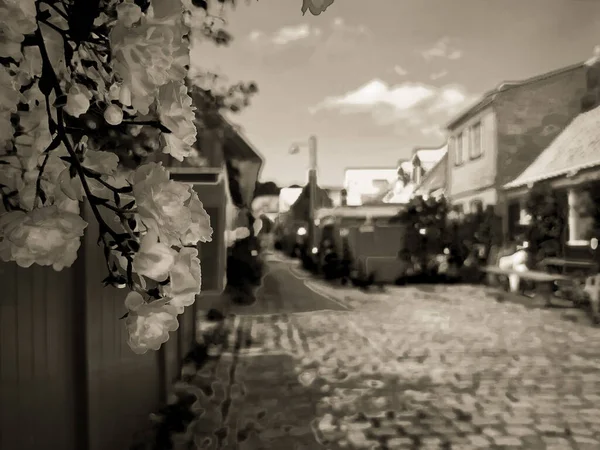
256 35
376 92
408 105
400 70
442 49
339 24
438 75
285 35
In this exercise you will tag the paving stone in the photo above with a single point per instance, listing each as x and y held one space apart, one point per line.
357 439
480 441
383 432
507 441
582 440
549 429
519 431
581 431
399 443
491 432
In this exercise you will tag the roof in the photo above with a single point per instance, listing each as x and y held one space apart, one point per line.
489 97
368 169
577 147
430 157
406 166
400 196
435 179
236 146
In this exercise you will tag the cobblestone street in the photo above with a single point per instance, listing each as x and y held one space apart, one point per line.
444 367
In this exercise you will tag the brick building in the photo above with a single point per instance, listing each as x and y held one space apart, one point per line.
495 140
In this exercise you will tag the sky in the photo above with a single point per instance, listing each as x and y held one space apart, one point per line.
374 79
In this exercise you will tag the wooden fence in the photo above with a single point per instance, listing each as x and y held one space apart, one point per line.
68 379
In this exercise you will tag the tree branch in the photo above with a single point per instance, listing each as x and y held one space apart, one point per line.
54 85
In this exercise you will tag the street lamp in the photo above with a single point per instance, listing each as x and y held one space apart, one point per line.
312 181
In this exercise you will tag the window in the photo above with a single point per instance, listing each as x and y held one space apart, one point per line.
458 149
476 148
466 143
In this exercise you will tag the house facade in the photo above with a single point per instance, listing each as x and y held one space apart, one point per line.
570 165
495 140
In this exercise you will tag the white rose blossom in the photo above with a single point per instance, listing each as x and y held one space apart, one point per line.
169 208
154 259
177 114
148 324
48 163
145 56
185 279
45 236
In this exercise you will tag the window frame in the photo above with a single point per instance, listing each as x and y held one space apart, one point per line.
459 150
472 154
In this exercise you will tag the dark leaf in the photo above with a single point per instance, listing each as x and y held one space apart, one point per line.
155 293
200 4
68 51
53 145
134 245
46 80
42 195
44 15
162 128
72 171
129 205
60 101
82 14
109 280
98 200
130 273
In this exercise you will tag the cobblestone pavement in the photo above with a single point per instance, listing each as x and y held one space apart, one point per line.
441 367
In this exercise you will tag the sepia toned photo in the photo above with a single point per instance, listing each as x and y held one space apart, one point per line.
299 224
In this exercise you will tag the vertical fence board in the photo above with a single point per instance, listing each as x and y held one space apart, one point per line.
124 388
37 372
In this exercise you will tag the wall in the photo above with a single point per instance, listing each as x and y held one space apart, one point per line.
38 386
212 254
67 375
486 197
531 116
123 388
473 175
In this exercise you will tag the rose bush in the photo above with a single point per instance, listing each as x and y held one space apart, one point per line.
69 72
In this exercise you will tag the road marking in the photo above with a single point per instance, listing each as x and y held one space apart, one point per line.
324 295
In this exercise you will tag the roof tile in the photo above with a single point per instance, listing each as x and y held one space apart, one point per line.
576 147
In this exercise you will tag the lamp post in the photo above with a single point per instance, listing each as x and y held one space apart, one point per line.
312 182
